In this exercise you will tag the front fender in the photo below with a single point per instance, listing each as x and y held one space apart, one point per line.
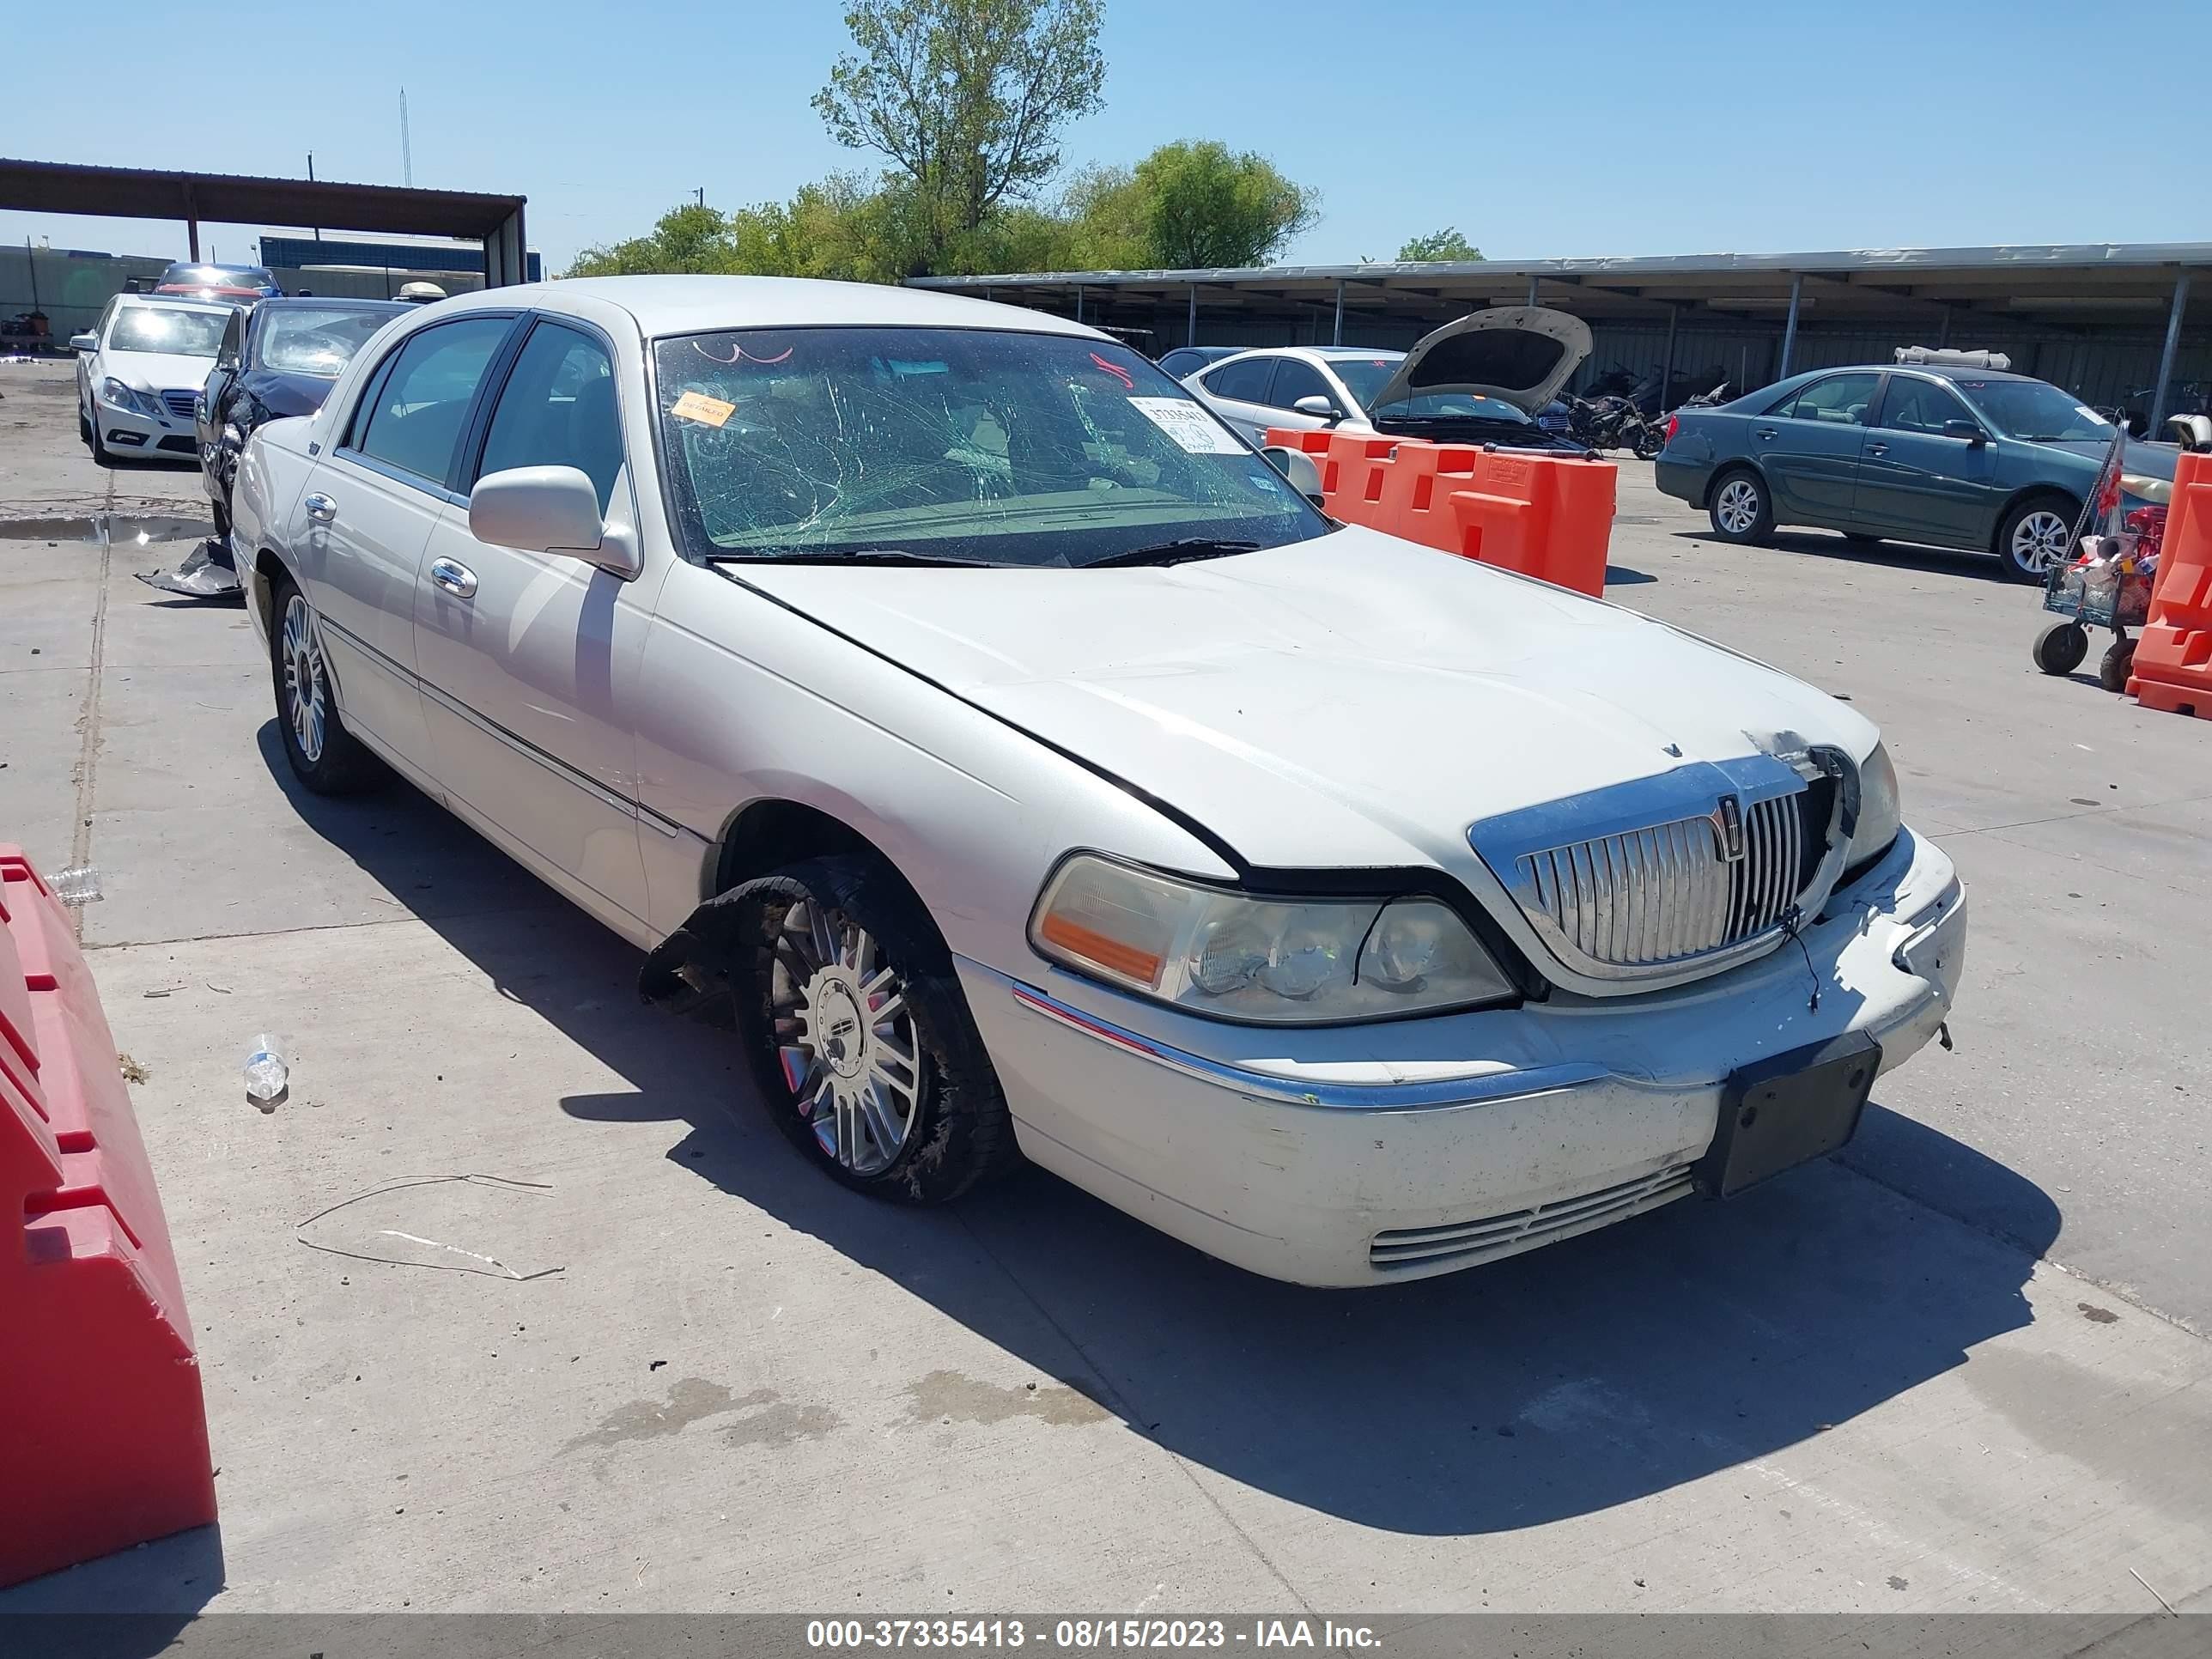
742 699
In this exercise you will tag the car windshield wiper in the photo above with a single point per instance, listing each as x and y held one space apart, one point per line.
895 555
1181 551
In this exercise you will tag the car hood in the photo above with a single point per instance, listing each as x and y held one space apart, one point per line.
1352 700
2147 460
156 371
288 394
1522 354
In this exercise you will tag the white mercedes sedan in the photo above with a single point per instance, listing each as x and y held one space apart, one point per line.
139 371
1034 773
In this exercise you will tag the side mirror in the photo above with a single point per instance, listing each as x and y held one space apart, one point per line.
540 509
87 341
1298 467
1321 407
1969 430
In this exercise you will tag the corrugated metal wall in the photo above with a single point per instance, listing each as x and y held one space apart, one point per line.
2104 367
71 288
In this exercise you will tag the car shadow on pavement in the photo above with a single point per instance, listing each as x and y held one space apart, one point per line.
1895 555
1580 1376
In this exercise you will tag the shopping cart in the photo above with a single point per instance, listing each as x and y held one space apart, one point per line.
2108 582
2108 586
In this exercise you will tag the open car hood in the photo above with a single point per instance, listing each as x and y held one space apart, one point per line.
1520 355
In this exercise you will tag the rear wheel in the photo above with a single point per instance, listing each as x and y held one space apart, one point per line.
1740 509
2117 664
860 1036
324 756
2060 646
2036 536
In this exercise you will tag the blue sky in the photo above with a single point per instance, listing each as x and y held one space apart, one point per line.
1689 126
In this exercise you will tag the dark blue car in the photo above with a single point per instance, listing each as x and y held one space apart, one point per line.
281 358
1962 457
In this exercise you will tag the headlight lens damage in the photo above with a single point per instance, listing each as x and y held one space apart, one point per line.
1880 815
1232 955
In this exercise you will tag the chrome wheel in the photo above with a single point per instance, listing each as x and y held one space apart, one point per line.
1736 507
306 686
845 1037
2039 540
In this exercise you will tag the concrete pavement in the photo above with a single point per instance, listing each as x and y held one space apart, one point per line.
644 1359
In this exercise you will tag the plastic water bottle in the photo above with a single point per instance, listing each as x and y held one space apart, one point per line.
267 1077
77 885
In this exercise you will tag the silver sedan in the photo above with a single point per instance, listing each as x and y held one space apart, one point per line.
1033 773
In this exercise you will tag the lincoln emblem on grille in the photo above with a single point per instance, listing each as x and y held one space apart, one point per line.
1728 828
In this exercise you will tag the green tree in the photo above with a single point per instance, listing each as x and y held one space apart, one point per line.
1203 205
1107 221
1445 244
967 97
689 239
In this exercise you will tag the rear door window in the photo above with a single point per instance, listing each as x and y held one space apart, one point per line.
1840 400
415 416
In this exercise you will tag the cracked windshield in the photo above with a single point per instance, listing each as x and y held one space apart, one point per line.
956 447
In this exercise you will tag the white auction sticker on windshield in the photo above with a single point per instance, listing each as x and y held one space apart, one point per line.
1191 427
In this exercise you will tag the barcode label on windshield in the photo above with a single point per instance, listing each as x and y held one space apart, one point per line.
1197 432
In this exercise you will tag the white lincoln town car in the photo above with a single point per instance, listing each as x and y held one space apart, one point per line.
1034 773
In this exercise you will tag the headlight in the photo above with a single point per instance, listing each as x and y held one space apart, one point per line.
124 396
1879 817
1230 956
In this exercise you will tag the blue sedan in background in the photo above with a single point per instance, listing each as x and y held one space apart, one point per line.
1963 457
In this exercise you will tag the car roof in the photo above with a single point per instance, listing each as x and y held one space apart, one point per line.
695 305
1321 354
1935 371
329 302
177 302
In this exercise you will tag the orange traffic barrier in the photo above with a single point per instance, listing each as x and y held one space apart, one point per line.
1546 516
2173 666
105 1440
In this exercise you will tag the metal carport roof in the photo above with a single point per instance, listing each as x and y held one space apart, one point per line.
2059 289
231 199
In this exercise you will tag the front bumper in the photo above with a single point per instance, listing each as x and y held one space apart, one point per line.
1357 1155
132 431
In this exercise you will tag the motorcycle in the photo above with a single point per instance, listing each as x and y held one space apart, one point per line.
1614 421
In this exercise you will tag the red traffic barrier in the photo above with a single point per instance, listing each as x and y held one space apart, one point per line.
2172 665
1546 516
106 1438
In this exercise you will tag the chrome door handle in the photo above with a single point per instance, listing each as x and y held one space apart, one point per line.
1766 432
321 509
1877 449
455 578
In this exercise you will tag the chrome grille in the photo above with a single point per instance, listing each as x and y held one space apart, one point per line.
180 402
1467 1243
1650 897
